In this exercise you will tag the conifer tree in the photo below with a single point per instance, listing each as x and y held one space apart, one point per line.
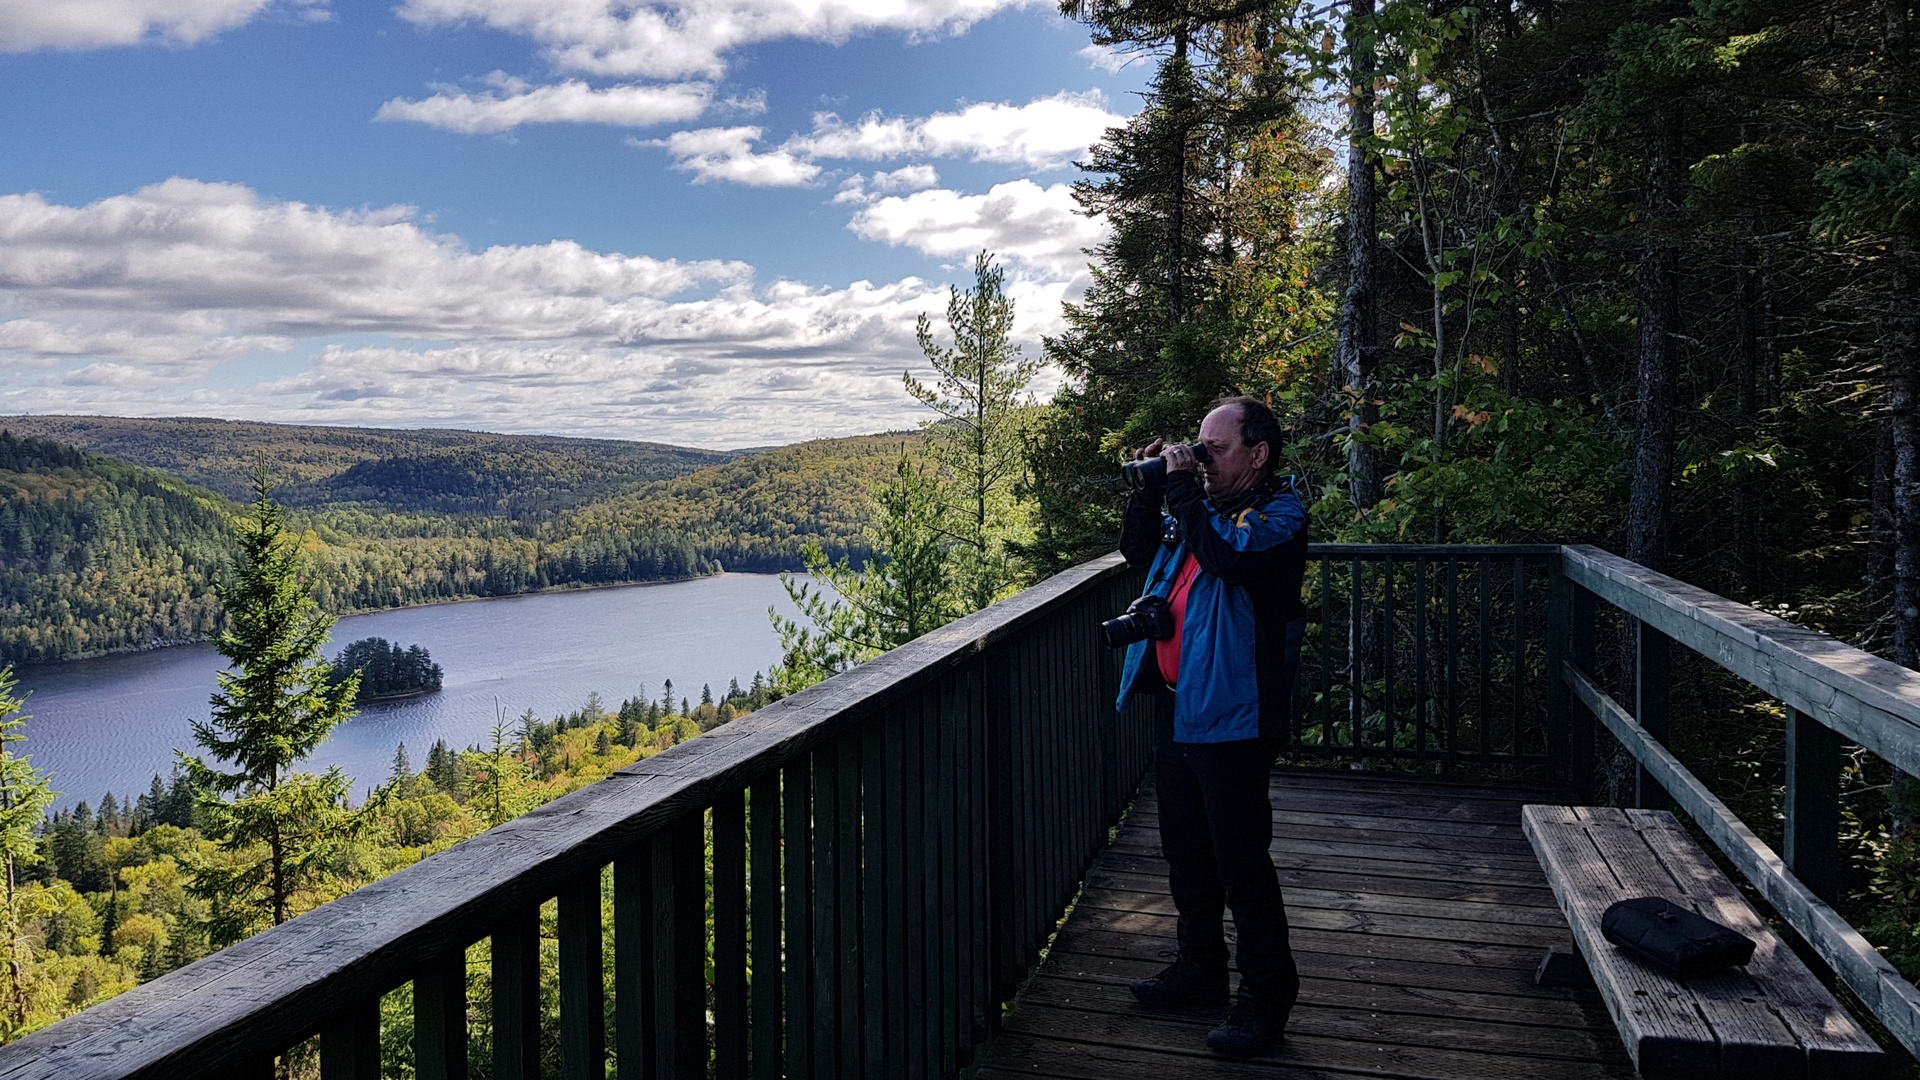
500 780
276 831
981 394
25 793
902 591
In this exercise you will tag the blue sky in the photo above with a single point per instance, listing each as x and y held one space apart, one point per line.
710 222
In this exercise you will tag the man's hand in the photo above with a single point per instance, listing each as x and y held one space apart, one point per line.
1179 458
1152 450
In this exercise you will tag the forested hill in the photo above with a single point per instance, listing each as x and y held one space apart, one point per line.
431 471
98 555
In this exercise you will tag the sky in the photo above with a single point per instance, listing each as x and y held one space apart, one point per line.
704 222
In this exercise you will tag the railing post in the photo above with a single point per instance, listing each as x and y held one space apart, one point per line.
1652 705
583 1019
1581 619
731 1035
350 1043
765 886
679 929
1813 804
516 997
440 1018
1558 696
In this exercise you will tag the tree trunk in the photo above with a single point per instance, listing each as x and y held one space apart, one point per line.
1354 354
1901 349
1649 505
1177 220
1902 352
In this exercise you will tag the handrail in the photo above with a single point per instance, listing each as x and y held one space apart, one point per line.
1831 689
1874 702
231 1012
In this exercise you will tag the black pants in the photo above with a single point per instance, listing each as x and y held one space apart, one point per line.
1216 822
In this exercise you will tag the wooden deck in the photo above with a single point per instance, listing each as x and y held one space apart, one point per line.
1418 916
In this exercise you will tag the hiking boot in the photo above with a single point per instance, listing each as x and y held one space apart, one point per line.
1182 985
1249 1028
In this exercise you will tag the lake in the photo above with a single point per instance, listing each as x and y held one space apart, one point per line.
112 722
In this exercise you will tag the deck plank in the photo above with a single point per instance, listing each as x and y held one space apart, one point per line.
1418 915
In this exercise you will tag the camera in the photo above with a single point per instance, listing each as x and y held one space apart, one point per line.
1148 618
1152 472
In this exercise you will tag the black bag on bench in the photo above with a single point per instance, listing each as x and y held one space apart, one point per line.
1680 942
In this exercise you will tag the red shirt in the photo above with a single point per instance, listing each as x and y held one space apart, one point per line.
1168 652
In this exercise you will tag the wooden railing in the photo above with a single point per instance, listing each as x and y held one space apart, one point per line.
887 851
852 881
1831 692
1429 653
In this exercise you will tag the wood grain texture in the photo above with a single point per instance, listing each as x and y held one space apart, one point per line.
1771 1018
1871 701
1432 981
1892 999
270 991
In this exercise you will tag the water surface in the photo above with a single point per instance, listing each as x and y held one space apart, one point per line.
111 723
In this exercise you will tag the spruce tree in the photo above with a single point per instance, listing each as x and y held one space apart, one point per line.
276 831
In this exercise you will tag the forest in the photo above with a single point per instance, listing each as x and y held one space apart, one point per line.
110 885
387 670
1638 273
100 555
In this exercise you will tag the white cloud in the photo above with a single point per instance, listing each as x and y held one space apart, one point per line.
26 25
1021 220
1106 58
171 272
513 102
669 40
1044 133
854 189
169 300
728 154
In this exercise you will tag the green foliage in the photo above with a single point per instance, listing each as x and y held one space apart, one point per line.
983 400
903 591
1205 285
386 670
97 555
277 832
25 793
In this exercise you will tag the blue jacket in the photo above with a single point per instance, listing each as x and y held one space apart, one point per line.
1240 643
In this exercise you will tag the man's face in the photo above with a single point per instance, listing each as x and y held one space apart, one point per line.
1235 467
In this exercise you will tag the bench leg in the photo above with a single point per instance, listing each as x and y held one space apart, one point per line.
1562 966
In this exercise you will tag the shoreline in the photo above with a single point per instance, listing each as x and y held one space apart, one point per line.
20 666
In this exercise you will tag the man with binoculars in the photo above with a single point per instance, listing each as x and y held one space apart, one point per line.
1216 641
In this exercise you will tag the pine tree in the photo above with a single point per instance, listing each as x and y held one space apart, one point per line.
25 793
276 831
983 400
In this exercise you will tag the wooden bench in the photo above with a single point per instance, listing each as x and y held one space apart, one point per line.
1771 1019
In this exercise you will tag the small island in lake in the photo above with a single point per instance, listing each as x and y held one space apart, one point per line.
386 670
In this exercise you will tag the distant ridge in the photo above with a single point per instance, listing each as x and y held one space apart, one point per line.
113 531
220 454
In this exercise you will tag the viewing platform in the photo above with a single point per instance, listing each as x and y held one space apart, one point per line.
869 878
1418 916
